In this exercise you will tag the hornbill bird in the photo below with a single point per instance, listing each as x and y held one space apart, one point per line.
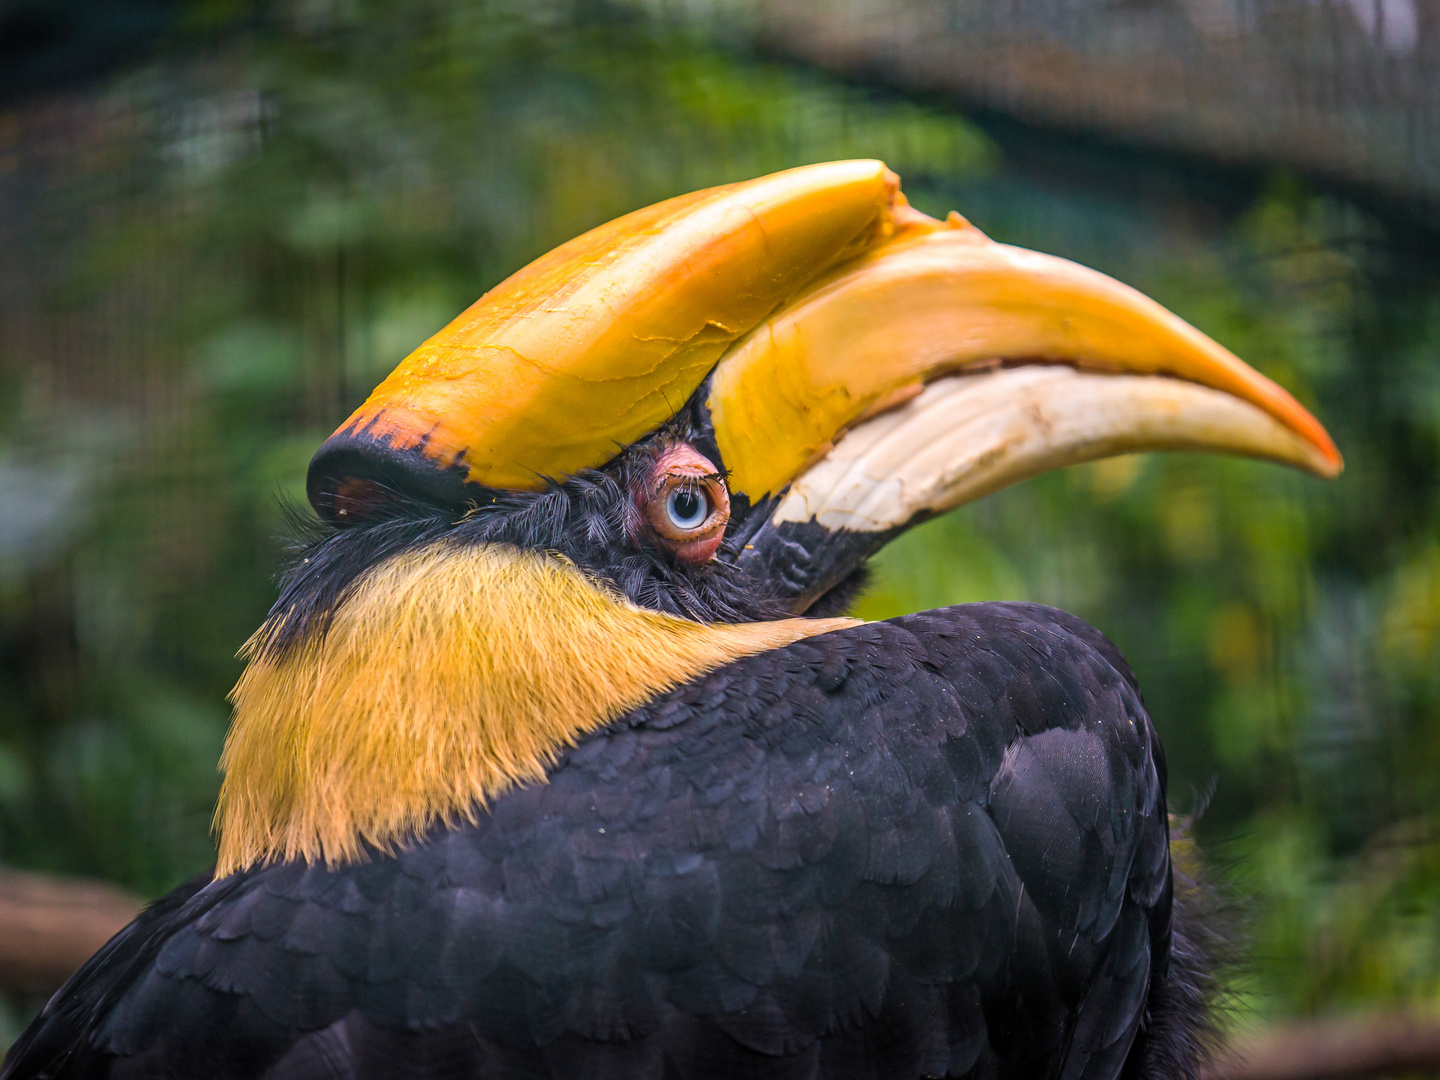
556 756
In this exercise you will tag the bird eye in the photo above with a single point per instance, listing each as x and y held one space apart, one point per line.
685 503
687 508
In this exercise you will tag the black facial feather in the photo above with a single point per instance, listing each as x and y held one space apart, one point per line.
842 597
590 519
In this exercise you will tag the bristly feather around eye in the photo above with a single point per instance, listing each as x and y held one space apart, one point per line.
326 562
591 519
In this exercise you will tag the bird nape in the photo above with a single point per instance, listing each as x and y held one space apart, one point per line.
556 757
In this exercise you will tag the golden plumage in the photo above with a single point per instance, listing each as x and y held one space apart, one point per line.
449 675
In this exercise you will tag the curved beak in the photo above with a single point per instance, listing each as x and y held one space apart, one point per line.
942 366
864 367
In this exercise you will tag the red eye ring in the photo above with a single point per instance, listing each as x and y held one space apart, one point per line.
686 504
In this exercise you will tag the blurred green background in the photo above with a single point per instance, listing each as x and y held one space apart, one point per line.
211 253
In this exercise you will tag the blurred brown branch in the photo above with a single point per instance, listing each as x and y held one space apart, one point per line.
1338 1048
49 926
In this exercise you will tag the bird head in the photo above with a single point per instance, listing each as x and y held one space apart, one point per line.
671 441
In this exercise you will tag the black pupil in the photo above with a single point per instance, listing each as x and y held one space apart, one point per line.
687 505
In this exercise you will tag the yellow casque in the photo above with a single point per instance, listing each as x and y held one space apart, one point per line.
599 342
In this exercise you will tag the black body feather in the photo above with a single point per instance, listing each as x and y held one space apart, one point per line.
935 846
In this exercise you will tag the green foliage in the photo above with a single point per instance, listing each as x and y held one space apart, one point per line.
222 252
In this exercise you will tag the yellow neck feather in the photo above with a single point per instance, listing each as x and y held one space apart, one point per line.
450 675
